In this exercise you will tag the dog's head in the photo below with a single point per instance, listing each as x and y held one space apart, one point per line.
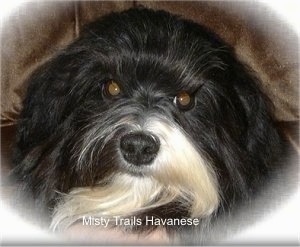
143 111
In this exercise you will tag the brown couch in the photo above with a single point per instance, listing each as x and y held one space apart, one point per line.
36 30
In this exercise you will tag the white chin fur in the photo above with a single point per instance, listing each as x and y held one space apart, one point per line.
178 172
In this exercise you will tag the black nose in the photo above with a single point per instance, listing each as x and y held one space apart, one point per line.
139 148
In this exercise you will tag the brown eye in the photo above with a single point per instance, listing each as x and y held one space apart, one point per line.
111 88
184 100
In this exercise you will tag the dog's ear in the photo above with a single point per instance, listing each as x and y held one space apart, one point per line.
42 106
45 123
52 95
262 137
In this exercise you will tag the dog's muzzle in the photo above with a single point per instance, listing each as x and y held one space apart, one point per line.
139 148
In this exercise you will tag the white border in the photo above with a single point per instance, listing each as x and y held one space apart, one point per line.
281 226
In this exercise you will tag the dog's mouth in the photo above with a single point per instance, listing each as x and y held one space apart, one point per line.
140 171
150 166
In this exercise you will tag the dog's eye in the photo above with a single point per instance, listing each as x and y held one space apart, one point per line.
111 88
184 100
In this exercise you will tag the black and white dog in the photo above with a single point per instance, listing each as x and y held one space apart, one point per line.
145 114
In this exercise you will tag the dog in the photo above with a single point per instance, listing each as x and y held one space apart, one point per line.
145 116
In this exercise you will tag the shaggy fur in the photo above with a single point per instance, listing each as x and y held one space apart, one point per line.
213 155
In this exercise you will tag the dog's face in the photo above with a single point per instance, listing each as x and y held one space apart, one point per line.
144 112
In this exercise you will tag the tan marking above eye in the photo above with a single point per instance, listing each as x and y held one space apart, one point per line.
112 88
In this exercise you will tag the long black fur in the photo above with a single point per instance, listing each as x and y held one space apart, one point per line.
153 55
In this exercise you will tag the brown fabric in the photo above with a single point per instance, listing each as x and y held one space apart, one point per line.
38 29
291 131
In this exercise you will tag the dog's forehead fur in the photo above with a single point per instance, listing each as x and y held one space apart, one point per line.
141 50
